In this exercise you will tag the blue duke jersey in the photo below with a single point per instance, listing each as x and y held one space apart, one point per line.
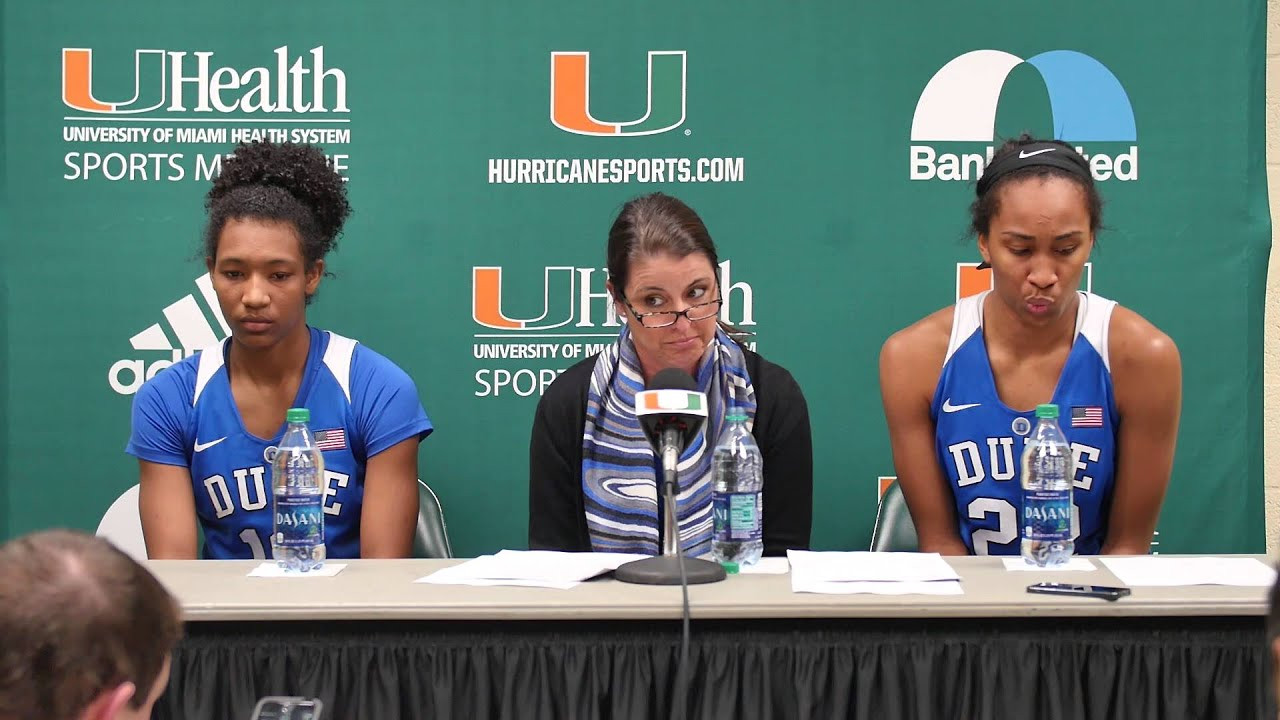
361 404
980 440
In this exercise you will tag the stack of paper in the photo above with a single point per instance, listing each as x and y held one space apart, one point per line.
1174 571
898 573
530 568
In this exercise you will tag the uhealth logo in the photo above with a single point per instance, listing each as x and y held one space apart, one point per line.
191 328
568 297
180 81
486 300
571 96
959 105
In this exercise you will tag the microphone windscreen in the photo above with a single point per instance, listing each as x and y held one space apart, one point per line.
672 379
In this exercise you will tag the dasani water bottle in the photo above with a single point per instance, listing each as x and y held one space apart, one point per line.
737 471
297 538
1047 472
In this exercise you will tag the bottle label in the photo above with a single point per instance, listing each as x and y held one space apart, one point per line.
737 516
1046 515
299 520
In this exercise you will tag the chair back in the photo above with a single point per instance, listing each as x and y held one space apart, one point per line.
894 531
431 537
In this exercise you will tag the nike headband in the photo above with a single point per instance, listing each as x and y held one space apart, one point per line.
1032 155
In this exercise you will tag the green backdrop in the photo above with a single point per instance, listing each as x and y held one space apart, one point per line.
788 126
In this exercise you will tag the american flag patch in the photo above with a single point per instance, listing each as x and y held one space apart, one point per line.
1086 416
335 439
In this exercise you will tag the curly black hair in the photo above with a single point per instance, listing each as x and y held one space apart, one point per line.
987 204
283 182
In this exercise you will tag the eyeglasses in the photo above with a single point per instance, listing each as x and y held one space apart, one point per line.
665 318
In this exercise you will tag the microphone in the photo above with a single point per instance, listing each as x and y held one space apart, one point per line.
671 412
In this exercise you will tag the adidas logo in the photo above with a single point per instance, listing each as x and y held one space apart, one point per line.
190 330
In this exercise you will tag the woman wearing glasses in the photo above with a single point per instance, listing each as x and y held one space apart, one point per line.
592 474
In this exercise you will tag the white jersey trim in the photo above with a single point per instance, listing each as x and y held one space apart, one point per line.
1093 320
965 321
337 357
210 363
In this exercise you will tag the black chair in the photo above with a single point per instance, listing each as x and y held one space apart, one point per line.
431 537
894 531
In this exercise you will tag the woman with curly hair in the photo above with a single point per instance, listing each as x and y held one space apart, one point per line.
204 430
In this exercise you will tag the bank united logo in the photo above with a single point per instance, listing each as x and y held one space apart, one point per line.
959 104
191 329
571 96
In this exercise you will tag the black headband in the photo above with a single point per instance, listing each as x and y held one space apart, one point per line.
1033 155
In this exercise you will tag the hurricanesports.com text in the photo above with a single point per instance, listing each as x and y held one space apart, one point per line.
564 171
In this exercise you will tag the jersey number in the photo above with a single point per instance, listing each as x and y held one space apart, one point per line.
1007 523
250 538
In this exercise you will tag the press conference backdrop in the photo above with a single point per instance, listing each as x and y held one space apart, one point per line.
831 148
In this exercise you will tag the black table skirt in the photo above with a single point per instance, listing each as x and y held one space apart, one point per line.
1041 668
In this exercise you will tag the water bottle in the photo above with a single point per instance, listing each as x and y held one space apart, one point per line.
737 472
297 538
1046 492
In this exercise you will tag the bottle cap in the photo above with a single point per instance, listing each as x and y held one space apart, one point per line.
730 567
297 415
736 415
1048 410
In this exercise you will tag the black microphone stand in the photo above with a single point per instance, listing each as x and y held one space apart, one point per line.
665 569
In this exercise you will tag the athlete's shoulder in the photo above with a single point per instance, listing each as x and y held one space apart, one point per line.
920 344
175 384
1137 345
361 370
370 362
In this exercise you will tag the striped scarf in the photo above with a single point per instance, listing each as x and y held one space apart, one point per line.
620 469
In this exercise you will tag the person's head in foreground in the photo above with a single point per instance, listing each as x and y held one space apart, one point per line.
85 631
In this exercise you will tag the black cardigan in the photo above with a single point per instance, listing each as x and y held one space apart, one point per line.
557 518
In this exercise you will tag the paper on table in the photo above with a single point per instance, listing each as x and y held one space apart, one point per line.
941 587
531 568
445 577
1077 564
766 566
846 573
870 566
1176 571
272 570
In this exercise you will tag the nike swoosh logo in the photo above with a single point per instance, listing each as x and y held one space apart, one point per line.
1024 154
947 407
201 447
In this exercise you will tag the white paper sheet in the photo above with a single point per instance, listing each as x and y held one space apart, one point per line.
1175 571
870 566
766 566
940 587
1075 564
847 573
530 568
272 570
